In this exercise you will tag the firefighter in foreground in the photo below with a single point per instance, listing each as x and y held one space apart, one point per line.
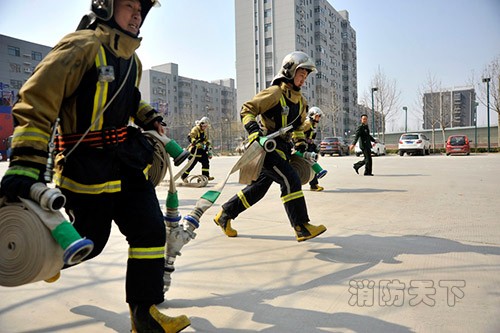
313 117
278 106
90 81
200 148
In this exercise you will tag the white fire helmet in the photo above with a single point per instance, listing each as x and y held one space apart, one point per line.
315 111
291 63
203 121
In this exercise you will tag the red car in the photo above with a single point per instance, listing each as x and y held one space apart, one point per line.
457 144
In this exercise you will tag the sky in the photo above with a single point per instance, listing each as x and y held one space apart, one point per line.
407 40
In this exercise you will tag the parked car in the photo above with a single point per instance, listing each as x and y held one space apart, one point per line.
334 145
458 144
378 148
414 143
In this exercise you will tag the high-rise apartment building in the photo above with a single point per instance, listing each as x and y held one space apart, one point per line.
183 100
449 108
267 30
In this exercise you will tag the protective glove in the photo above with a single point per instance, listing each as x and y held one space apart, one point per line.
14 186
254 131
301 146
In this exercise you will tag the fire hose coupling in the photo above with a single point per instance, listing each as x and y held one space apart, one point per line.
171 147
318 170
268 144
50 199
311 156
191 223
176 151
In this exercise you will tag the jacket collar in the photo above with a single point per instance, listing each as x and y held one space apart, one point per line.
119 43
293 95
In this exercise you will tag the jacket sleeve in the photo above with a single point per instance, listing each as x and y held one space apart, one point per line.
356 137
194 135
55 78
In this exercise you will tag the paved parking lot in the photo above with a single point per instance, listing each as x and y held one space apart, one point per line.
414 249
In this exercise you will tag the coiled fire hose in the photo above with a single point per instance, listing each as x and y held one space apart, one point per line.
159 169
35 238
28 252
306 166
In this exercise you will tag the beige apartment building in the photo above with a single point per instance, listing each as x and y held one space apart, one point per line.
267 30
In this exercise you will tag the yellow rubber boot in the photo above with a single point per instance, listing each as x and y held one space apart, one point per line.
223 221
148 319
307 231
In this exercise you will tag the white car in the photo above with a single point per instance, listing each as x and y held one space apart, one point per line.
378 148
414 143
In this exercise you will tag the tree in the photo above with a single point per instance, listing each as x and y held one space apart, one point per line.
331 109
432 108
492 71
386 100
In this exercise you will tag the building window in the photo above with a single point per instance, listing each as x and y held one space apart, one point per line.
36 55
268 41
16 84
15 68
14 51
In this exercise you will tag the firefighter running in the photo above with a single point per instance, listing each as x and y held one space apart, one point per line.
90 81
313 118
200 148
279 105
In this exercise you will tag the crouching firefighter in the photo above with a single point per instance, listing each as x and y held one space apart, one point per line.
90 81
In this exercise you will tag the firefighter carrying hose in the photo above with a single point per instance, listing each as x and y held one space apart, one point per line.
313 117
278 106
90 81
200 148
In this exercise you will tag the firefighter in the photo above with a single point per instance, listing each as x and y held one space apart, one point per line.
278 106
313 118
200 148
90 82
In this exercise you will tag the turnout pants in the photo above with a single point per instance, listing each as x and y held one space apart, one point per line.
201 155
275 169
136 211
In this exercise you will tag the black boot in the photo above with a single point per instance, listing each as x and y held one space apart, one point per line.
147 319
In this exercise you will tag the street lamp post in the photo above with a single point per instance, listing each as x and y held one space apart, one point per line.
406 118
475 129
487 80
373 109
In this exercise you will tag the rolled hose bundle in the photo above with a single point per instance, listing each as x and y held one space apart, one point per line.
303 168
28 251
163 148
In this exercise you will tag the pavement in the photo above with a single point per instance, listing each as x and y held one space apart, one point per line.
416 248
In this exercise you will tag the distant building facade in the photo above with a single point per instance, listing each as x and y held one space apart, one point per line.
450 108
183 100
18 59
267 30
